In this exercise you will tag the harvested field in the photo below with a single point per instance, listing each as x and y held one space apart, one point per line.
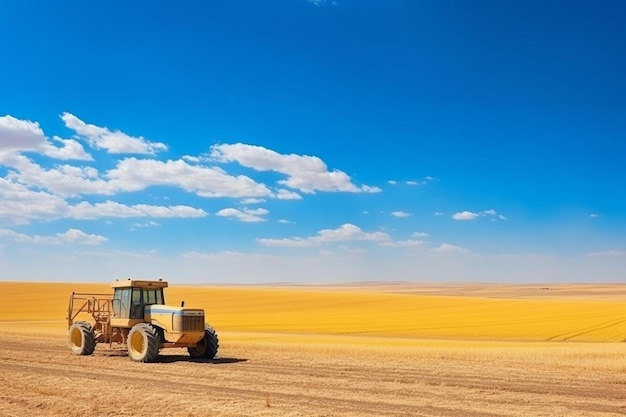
368 350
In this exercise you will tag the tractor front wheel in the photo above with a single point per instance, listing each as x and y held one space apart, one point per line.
82 338
207 347
143 343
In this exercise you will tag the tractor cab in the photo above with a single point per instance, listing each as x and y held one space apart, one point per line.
130 297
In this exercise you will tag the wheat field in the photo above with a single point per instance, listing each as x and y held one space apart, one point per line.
353 350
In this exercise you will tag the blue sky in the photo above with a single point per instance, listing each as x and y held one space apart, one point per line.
313 141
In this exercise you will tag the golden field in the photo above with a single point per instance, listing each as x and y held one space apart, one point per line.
354 350
574 313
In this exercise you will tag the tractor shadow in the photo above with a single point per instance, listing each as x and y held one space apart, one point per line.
119 353
189 359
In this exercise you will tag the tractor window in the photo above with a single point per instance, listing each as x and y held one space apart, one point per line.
153 296
121 302
136 311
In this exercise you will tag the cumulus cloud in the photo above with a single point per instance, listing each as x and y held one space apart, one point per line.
246 215
146 224
114 142
112 209
411 243
307 174
70 237
253 201
400 214
34 190
449 248
63 180
344 233
26 136
469 215
287 195
348 231
465 215
20 205
132 174
414 183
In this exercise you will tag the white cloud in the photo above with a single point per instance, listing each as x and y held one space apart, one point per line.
86 210
297 242
114 142
287 195
449 248
469 215
253 201
25 136
346 232
465 215
425 181
420 234
411 243
304 173
285 221
400 214
307 174
70 237
146 224
414 183
20 135
20 205
246 215
438 213
64 180
134 174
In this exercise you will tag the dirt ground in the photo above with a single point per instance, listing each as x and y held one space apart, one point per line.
300 376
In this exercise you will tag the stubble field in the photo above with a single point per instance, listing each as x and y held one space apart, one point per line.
362 350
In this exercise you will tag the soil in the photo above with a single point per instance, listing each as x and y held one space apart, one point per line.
296 377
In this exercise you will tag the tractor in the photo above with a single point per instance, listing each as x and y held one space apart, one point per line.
136 316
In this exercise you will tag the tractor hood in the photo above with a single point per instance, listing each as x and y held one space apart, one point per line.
175 319
177 311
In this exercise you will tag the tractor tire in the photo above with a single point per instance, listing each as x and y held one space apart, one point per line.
207 347
82 338
143 343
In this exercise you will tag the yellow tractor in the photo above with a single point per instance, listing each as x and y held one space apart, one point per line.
136 316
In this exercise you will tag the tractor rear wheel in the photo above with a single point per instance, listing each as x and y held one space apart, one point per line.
143 343
82 338
207 347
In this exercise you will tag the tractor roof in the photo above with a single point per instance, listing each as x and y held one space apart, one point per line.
129 283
